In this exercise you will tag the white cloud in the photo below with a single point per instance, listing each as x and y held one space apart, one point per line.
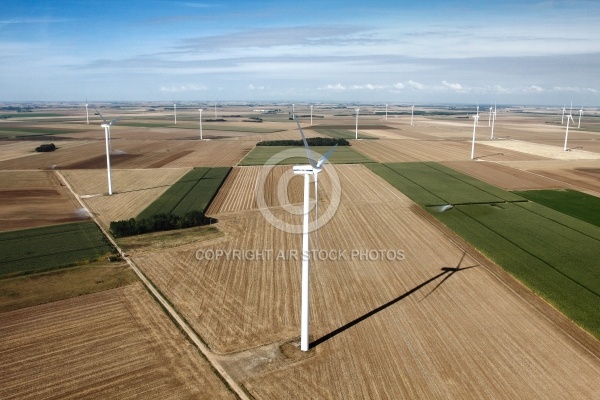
368 86
534 89
252 87
453 86
415 85
183 88
337 86
399 85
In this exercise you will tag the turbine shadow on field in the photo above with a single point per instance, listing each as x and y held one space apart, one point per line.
448 271
489 155
142 189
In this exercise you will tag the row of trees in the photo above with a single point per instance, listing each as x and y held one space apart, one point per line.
45 148
317 141
159 222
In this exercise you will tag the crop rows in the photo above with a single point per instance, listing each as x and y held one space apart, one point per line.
193 192
39 249
435 184
552 253
571 202
342 155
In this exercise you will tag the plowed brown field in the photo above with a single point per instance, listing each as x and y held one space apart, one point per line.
34 198
112 344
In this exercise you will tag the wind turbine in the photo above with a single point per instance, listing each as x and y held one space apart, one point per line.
580 114
357 110
569 118
293 111
106 126
490 118
386 106
562 120
87 114
477 113
311 110
175 112
493 120
200 123
308 170
475 120
412 111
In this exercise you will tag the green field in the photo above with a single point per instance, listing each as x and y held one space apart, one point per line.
571 202
193 192
342 155
30 115
42 249
554 254
338 133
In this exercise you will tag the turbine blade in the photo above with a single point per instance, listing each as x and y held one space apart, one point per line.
114 120
100 115
325 157
308 151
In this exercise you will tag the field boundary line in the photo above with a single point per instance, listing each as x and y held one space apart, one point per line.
182 325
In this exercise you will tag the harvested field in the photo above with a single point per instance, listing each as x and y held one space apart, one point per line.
133 190
34 198
583 175
424 150
239 192
113 344
435 322
129 154
505 177
11 150
542 150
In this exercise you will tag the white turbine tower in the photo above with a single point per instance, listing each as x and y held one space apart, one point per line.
386 106
87 114
311 110
106 126
475 120
580 114
478 114
569 118
293 111
200 123
308 170
562 120
357 110
175 112
493 120
490 118
412 111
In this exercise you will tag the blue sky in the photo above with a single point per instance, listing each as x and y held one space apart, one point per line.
518 52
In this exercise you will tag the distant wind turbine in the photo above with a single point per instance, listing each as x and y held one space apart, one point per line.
200 123
478 114
106 126
493 120
580 114
386 106
490 118
569 118
475 119
87 114
562 121
308 170
311 110
357 110
293 111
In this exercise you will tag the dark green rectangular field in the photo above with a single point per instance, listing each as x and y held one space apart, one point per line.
284 155
338 133
571 202
42 249
193 192
554 254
